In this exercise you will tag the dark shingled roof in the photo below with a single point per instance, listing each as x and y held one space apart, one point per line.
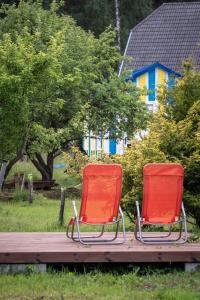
169 35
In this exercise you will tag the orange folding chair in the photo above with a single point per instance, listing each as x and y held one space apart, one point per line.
162 203
100 204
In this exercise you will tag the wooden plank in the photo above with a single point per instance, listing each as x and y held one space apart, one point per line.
53 247
38 184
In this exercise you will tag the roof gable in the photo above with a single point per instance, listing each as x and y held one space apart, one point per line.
169 35
152 67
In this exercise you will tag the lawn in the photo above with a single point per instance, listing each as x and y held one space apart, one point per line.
41 215
100 285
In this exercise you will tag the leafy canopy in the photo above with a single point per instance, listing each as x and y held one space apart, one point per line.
68 79
14 73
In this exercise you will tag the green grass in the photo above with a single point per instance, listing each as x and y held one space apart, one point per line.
41 215
100 285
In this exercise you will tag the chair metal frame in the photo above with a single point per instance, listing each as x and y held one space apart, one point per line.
182 235
95 240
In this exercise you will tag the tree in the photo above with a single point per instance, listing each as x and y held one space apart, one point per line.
118 27
87 12
72 82
185 93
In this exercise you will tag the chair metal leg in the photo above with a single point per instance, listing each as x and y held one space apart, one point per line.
107 241
67 232
151 240
153 237
89 240
75 238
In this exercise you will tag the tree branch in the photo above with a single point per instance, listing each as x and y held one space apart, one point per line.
41 160
19 155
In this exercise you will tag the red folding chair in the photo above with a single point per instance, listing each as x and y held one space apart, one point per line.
100 204
162 203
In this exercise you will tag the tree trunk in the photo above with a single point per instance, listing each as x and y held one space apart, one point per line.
19 155
45 168
117 15
2 173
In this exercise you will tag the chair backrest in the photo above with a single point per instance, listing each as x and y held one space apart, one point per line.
162 193
101 194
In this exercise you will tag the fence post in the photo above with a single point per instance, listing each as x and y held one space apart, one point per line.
22 183
62 205
17 181
2 173
30 188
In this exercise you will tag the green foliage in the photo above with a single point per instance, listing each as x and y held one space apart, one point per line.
185 93
86 14
68 80
146 149
76 161
13 96
169 139
20 195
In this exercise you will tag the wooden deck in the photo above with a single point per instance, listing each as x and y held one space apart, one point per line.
53 247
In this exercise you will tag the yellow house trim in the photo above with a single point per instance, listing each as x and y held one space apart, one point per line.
142 82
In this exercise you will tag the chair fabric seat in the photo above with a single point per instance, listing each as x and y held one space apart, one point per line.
92 221
157 220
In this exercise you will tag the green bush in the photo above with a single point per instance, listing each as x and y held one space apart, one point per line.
141 152
166 141
20 195
76 160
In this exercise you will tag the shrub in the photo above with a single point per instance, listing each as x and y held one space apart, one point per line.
20 195
141 152
76 160
166 141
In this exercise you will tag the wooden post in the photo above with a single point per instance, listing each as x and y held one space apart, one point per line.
2 173
17 180
62 205
30 188
22 183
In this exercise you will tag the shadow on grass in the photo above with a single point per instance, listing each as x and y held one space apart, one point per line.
140 269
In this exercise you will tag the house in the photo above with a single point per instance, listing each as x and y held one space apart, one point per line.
156 48
160 43
95 146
